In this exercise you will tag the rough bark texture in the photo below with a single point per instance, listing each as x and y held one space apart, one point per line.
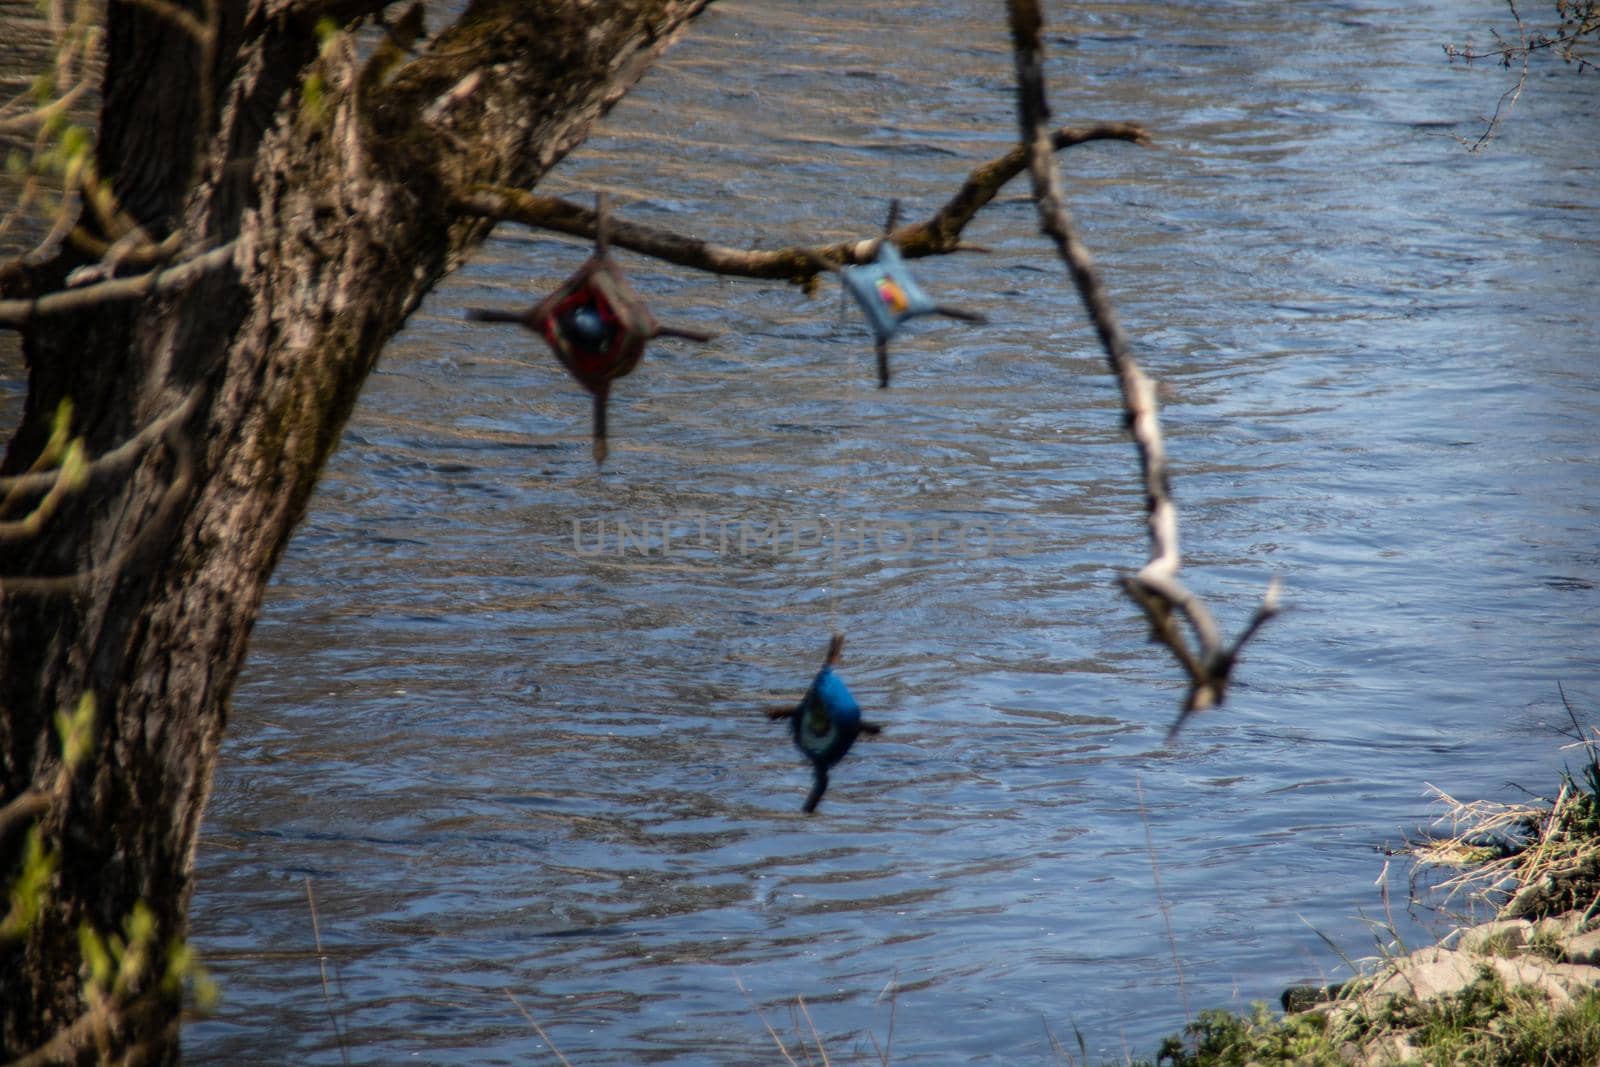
336 176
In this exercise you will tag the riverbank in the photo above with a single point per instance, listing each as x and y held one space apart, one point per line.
1523 988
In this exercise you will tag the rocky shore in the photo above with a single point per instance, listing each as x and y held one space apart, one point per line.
1554 961
1522 989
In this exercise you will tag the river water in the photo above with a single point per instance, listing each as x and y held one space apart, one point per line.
506 759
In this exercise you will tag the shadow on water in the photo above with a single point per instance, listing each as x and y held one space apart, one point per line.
509 760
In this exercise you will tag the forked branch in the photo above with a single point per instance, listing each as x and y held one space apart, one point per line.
936 235
1156 587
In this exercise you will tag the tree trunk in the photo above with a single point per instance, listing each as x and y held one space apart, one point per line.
334 175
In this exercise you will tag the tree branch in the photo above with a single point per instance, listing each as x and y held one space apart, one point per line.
341 11
110 462
1155 587
184 20
168 429
1509 98
18 313
74 1042
937 235
26 806
67 478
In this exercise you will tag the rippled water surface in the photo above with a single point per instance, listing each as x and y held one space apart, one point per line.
507 763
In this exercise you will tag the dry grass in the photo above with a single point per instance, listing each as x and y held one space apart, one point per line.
1531 859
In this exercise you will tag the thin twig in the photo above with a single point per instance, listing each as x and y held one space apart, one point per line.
1509 98
1560 42
1055 1045
43 114
65 479
782 1049
322 967
174 14
23 806
110 462
1388 907
166 508
538 1029
1161 899
74 1042
18 313
894 1003
821 1051
1355 968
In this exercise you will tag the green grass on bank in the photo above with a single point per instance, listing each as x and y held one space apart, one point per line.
1534 860
1483 1024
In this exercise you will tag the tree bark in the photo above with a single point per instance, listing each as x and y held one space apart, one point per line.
334 177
